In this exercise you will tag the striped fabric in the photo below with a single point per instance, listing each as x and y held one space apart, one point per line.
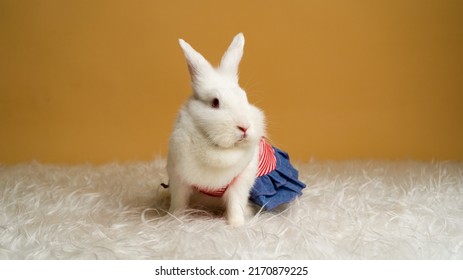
215 193
267 163
267 159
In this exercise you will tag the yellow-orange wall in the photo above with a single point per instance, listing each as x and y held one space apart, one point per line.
97 81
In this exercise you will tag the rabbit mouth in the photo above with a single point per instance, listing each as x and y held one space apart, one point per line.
243 140
225 141
244 137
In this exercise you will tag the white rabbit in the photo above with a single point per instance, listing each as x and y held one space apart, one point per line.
214 146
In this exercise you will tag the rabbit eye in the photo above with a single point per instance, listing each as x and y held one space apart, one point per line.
215 103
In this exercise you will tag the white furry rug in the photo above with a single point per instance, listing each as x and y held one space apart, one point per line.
350 210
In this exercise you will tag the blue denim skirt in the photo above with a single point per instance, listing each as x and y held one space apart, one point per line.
278 187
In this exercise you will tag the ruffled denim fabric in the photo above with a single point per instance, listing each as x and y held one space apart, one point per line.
278 187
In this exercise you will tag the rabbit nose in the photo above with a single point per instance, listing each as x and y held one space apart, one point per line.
243 129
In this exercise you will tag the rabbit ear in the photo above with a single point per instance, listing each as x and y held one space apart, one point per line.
232 57
197 64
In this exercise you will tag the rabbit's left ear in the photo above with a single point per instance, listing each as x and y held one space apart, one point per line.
232 57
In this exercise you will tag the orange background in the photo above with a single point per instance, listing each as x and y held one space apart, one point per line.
98 81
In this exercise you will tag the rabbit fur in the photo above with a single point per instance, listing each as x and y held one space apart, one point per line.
216 136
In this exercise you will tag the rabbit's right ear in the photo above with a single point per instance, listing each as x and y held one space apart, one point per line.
197 64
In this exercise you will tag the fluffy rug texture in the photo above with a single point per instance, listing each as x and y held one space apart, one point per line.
350 210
